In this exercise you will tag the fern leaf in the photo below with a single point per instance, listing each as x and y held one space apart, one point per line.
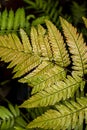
22 18
39 20
60 54
85 21
44 76
17 19
10 118
77 47
10 20
12 49
67 114
25 41
59 91
44 44
25 66
46 8
4 20
34 40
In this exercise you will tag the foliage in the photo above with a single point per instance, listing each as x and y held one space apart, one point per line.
55 69
48 8
11 118
78 11
11 21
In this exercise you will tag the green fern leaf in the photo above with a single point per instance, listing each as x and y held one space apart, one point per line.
17 19
60 54
10 20
61 90
69 113
77 47
45 8
4 20
10 118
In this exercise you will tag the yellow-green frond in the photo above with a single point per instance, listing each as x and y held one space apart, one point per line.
13 51
34 41
60 54
25 41
43 42
26 65
44 76
68 115
77 47
9 47
61 90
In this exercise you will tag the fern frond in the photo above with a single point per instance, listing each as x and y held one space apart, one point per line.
44 76
10 117
44 43
46 8
11 50
39 42
34 40
61 90
11 21
69 113
30 54
77 47
85 21
4 20
25 40
60 54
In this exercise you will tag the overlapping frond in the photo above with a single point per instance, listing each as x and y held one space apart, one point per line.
41 60
12 50
69 114
48 8
61 90
77 47
60 54
44 76
37 54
